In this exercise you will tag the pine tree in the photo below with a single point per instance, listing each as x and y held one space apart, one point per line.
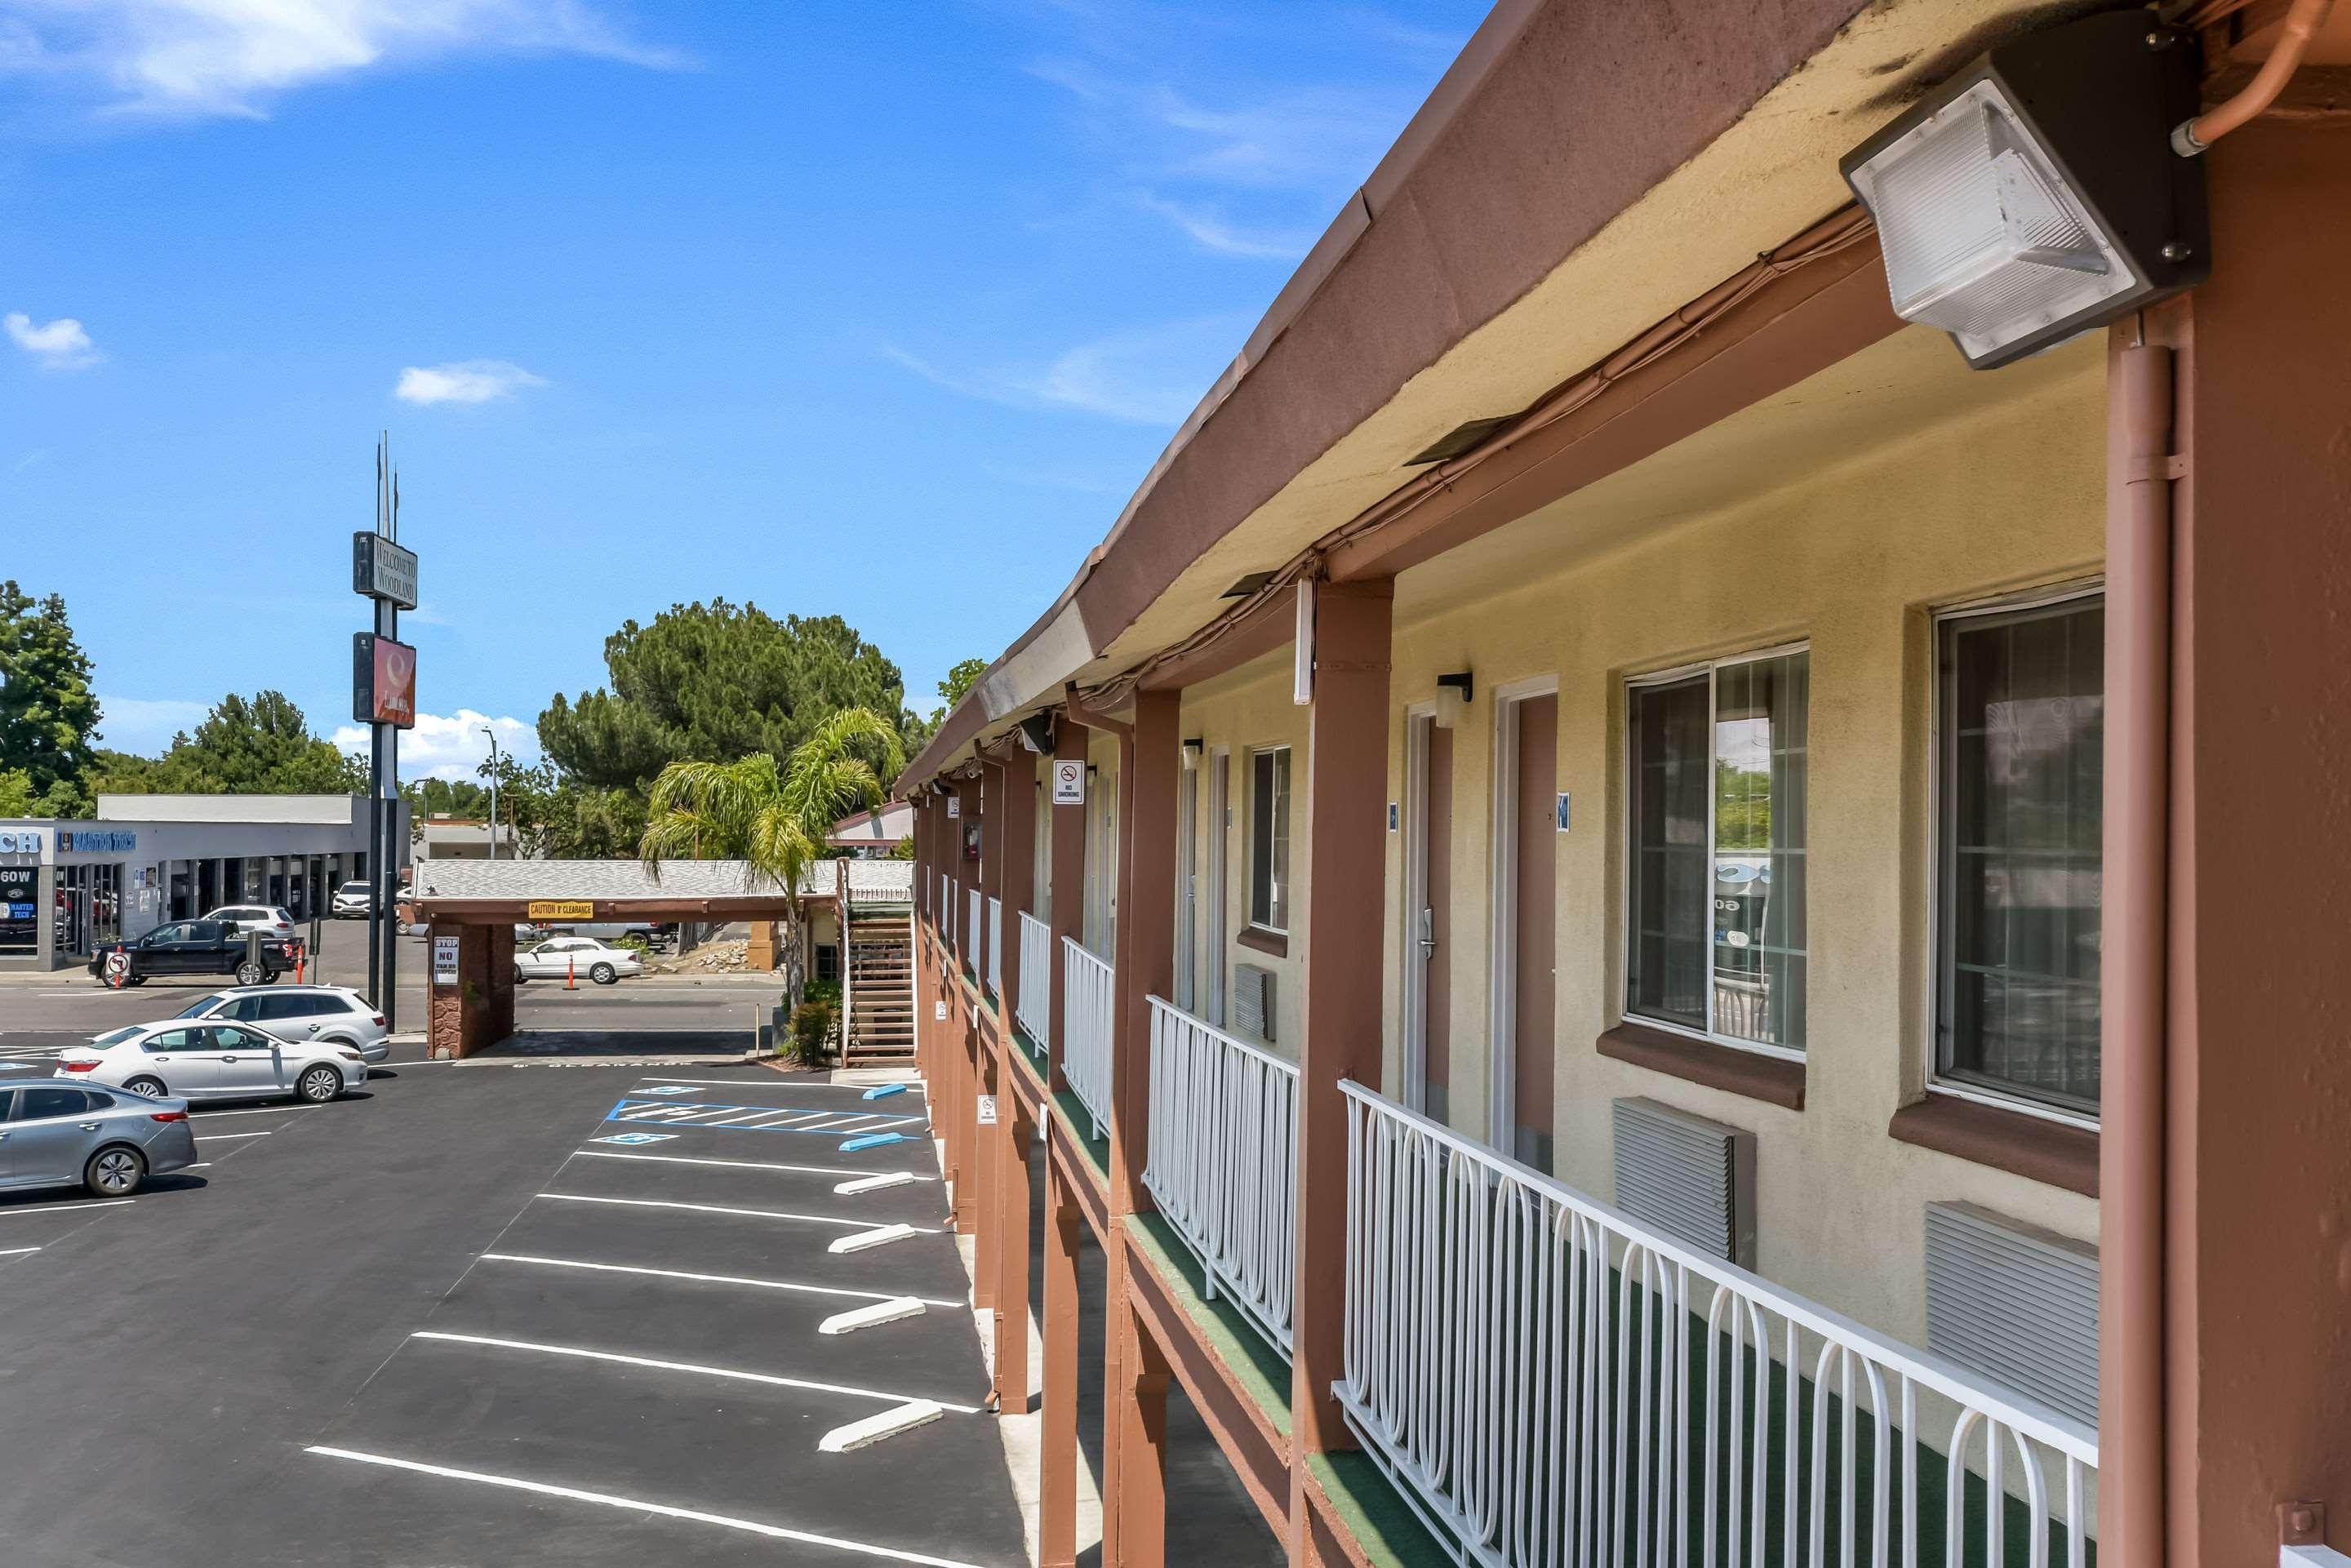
47 711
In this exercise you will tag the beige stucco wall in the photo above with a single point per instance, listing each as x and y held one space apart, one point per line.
1850 559
1246 710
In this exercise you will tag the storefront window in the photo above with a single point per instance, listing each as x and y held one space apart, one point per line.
20 911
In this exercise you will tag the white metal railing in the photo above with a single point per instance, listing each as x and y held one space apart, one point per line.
1550 1381
1224 1161
1036 998
1086 1028
996 947
971 950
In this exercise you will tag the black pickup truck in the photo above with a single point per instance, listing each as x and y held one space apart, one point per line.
192 947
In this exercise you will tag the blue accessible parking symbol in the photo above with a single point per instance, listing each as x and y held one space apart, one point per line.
635 1138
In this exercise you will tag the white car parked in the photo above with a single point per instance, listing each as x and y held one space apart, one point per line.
559 957
324 1015
352 900
214 1061
269 919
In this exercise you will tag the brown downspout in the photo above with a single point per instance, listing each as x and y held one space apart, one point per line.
2131 1504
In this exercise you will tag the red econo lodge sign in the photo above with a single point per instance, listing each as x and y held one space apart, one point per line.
383 681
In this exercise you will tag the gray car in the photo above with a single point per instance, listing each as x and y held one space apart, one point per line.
107 1140
317 1014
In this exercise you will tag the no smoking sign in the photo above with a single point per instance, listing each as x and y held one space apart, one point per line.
1069 782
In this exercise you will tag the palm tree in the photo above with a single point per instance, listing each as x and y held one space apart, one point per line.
773 817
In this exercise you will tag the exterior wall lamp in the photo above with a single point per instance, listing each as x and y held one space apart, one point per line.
1194 747
2036 194
1453 693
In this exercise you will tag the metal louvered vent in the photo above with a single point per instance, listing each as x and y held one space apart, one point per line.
2015 1302
1692 1178
1253 1001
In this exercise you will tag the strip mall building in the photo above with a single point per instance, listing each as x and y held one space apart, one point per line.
1650 920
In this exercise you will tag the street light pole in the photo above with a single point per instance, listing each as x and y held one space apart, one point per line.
493 734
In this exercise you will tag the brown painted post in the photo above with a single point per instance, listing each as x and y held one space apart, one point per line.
1069 890
1057 1437
1151 756
1146 930
1016 816
1012 1179
2256 1172
1346 789
1142 1437
990 1042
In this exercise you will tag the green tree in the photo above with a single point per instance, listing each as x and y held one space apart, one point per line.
773 817
701 682
258 746
961 678
47 713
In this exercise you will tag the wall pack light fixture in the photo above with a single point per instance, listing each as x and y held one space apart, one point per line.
2036 194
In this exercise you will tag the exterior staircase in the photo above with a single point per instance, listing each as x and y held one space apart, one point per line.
878 988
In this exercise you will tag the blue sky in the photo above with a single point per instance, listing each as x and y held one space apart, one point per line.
878 310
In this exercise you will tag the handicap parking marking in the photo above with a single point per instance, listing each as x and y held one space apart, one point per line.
635 1138
828 1121
670 1088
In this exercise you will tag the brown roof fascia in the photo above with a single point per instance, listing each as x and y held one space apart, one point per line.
1254 633
1810 319
1413 263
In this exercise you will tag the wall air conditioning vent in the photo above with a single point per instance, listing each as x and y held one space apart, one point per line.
1691 1178
1253 1002
1461 438
1247 584
2016 1304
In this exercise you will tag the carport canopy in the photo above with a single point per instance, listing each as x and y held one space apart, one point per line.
477 904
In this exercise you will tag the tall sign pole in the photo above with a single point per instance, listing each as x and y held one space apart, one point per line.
383 697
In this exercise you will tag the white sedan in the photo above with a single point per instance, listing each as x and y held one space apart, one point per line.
211 1061
562 957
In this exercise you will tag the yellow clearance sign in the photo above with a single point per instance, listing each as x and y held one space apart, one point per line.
562 909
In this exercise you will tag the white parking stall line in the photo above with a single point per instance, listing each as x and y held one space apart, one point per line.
743 1165
709 1208
779 1083
840 1123
20 1251
709 1278
218 1135
57 1208
262 1111
759 1115
638 1505
739 1375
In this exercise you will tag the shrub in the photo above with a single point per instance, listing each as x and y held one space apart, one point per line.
811 1033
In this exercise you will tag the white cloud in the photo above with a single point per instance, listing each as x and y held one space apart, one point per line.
145 725
191 58
463 381
1147 375
1213 233
449 746
61 345
1321 138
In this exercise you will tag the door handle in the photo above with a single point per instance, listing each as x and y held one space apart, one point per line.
90 1126
1427 933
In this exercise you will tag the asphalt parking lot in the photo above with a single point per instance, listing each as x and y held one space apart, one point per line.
40 1015
492 1315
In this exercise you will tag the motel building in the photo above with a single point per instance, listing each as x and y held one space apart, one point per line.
1669 894
66 885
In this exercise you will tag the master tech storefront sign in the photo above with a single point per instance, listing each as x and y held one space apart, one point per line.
96 841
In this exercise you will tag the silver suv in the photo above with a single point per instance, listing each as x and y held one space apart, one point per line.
329 1015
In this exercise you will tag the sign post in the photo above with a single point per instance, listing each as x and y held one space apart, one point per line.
383 697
